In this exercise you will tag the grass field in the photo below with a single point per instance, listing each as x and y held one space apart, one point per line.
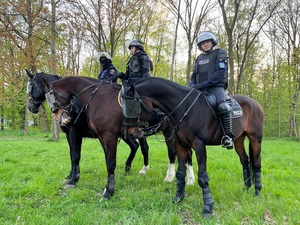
33 167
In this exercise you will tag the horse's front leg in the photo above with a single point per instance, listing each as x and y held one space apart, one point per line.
203 180
110 149
145 151
75 142
182 155
170 142
134 145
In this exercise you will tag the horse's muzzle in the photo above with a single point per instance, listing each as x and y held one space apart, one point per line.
135 132
62 117
33 108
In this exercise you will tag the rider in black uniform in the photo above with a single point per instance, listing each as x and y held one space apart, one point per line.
108 69
210 74
138 65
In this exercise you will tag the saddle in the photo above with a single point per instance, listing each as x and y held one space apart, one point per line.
236 109
131 106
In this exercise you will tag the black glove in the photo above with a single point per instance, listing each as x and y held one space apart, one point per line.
198 86
121 75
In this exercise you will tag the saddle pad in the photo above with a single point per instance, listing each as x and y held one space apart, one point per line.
237 110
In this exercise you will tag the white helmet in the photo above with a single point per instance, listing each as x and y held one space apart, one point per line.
103 54
204 36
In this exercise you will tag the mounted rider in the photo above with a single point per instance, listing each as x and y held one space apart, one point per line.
139 65
210 74
108 71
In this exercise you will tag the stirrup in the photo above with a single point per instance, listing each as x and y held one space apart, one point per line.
227 142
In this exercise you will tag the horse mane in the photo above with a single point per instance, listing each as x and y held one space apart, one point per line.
158 81
51 76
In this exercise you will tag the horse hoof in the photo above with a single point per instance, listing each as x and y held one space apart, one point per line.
178 199
144 170
66 181
107 194
168 179
70 186
207 215
127 168
257 193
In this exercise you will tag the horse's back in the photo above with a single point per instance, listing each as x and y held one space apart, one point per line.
253 114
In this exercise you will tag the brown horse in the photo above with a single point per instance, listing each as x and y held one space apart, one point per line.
104 115
196 126
78 128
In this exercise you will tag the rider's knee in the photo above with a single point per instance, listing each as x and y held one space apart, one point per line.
224 108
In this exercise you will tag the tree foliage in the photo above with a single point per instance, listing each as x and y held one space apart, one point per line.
262 41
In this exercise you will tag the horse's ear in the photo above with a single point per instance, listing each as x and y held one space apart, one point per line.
46 83
29 74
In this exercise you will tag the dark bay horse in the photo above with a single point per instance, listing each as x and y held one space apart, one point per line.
75 132
104 114
195 127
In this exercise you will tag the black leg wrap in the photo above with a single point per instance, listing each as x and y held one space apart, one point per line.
247 178
207 198
257 182
180 187
110 187
208 202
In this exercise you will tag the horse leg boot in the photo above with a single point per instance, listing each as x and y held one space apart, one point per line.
226 119
207 197
180 186
257 182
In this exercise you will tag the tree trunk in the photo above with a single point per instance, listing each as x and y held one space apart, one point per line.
55 128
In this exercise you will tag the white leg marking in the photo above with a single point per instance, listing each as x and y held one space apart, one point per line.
170 173
144 170
190 177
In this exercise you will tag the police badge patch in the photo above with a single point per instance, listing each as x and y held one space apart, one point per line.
112 71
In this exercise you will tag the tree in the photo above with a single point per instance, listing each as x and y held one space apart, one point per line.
23 26
191 18
243 22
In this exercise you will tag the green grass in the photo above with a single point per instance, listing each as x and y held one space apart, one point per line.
32 169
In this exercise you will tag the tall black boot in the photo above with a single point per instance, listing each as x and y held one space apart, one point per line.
226 119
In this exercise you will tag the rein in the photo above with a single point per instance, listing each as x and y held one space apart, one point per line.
175 127
185 114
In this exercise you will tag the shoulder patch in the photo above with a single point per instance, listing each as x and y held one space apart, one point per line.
112 71
222 65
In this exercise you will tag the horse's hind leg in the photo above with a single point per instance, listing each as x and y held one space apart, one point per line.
134 145
244 159
145 151
255 158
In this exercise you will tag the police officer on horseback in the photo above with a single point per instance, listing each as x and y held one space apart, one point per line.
108 71
210 74
139 65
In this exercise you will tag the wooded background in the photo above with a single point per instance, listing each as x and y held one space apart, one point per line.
63 37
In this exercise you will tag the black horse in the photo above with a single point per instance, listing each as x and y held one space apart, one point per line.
75 132
196 126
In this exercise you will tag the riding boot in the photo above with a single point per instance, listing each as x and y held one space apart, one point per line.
226 119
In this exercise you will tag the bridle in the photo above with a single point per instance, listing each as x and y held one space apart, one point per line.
30 85
55 105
